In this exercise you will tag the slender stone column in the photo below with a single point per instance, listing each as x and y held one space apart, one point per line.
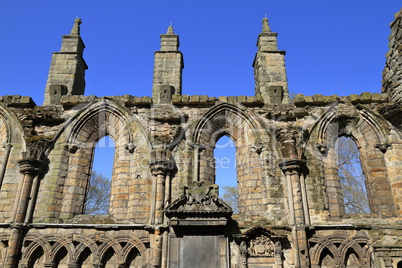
165 249
32 201
161 171
293 170
3 166
196 165
30 168
157 249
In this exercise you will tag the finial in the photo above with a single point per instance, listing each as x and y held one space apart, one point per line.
170 29
76 27
265 25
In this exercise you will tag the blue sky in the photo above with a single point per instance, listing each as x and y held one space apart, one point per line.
333 47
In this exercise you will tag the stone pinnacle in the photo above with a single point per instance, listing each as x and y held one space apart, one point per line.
170 30
76 28
265 25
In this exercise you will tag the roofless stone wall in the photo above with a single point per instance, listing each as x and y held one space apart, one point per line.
165 209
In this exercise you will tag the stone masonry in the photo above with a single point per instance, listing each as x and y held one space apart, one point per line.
165 209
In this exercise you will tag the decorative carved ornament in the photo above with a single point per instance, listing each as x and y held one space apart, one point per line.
261 246
199 199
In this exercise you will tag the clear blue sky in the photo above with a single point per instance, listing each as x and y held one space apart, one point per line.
333 47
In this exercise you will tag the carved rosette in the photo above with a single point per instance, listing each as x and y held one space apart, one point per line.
31 166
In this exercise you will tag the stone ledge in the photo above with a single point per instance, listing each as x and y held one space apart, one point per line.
89 225
126 100
318 99
205 101
129 100
76 99
17 101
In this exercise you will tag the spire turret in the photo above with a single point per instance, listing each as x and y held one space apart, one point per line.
269 68
67 69
168 65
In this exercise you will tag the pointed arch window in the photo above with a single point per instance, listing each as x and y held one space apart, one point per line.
99 185
351 177
226 172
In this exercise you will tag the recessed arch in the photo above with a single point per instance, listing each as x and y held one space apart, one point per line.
235 121
72 154
203 126
371 134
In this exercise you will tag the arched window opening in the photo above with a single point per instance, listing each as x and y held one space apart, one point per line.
98 191
351 177
225 171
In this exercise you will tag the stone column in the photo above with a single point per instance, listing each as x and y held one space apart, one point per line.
157 249
196 164
3 166
293 170
30 168
161 171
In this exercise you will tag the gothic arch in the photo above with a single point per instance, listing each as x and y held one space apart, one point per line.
60 243
132 243
35 242
83 243
205 128
107 243
250 138
339 247
11 146
11 130
73 150
370 133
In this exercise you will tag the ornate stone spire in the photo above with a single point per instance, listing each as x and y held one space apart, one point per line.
67 70
269 67
168 67
265 26
76 28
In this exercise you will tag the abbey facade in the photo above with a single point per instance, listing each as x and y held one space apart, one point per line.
165 209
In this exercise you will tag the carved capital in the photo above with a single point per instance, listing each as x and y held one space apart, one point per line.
291 166
162 167
31 166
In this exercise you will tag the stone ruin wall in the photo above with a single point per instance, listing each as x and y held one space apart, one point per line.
164 203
